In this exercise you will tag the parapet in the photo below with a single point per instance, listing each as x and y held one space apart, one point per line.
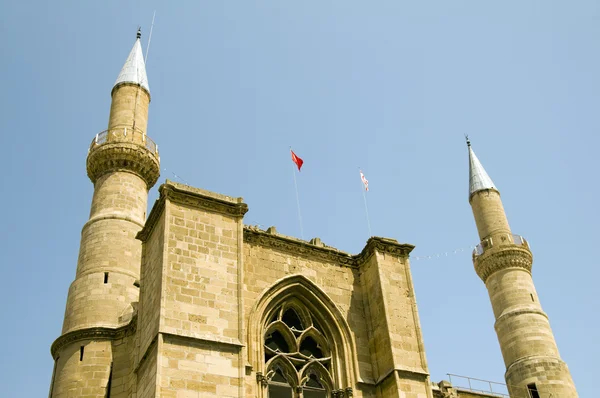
315 248
124 149
235 206
194 197
501 251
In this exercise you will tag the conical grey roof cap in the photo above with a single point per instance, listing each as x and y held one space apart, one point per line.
134 70
478 177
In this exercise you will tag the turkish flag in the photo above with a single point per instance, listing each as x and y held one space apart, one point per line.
299 162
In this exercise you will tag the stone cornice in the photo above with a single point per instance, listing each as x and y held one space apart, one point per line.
123 156
384 245
199 198
193 197
95 333
287 244
235 207
255 236
501 257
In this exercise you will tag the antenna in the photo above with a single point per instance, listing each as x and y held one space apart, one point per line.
149 38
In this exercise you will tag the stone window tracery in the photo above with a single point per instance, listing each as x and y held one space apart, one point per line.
297 355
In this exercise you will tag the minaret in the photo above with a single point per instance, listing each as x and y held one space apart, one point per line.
503 261
123 164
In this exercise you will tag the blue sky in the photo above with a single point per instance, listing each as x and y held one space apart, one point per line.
390 86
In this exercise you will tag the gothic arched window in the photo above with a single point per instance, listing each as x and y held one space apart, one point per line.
297 355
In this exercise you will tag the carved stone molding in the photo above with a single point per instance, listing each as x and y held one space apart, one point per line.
451 393
508 256
520 311
95 333
447 390
262 379
384 245
122 156
342 393
297 247
194 197
255 236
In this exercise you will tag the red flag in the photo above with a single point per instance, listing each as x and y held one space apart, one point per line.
299 162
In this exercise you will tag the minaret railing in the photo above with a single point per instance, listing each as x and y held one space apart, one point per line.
500 240
492 388
487 387
124 134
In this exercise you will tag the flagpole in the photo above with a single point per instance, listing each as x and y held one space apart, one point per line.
149 38
297 200
362 188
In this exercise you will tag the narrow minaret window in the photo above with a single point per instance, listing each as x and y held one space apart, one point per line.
106 277
532 299
533 392
81 353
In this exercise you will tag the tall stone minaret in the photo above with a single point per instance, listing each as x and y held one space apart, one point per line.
503 261
123 164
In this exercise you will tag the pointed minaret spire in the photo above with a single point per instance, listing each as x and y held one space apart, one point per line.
134 70
478 178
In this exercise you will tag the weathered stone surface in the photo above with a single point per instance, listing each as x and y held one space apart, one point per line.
191 303
99 341
504 264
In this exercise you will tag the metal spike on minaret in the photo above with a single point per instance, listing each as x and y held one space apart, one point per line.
134 70
478 177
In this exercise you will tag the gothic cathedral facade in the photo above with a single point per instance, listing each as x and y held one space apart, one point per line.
190 302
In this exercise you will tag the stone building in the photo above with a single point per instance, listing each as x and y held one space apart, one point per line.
190 302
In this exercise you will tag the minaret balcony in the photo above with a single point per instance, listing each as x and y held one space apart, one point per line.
499 240
124 149
501 251
125 134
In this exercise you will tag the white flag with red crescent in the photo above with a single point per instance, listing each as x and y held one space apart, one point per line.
364 181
